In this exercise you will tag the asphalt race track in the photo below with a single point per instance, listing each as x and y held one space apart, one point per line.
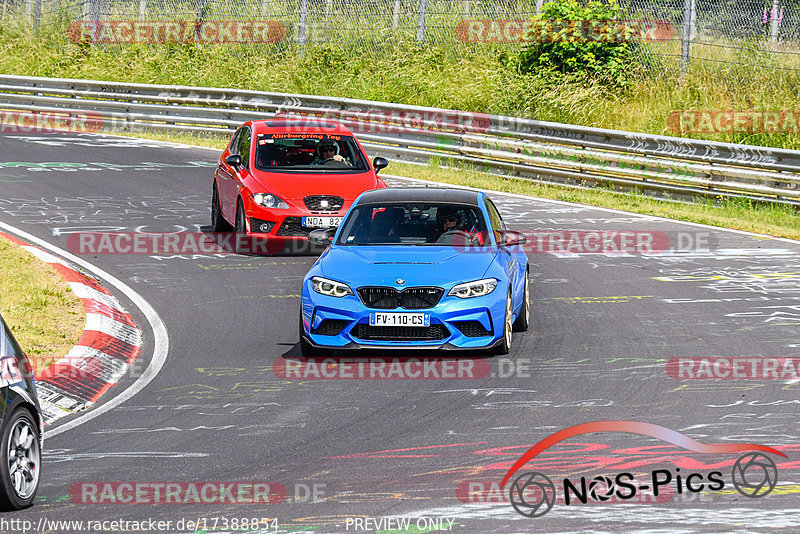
351 453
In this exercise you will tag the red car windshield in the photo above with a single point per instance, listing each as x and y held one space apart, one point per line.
309 153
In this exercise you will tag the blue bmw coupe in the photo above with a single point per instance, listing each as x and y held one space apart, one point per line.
421 267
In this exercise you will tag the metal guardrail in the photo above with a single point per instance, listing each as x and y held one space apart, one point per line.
568 155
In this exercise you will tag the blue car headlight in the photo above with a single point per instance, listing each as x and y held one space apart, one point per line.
330 288
478 288
269 201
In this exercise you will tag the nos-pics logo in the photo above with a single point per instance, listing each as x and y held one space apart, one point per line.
533 494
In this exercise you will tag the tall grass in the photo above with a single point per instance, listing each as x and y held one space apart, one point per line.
485 79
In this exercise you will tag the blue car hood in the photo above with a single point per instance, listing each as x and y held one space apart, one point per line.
422 265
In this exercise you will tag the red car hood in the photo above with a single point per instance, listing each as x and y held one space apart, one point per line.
296 186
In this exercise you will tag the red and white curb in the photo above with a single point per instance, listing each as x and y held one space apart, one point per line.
111 341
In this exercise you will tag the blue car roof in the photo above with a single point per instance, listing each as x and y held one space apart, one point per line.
421 194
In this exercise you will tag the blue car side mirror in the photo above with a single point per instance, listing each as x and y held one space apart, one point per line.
512 238
321 236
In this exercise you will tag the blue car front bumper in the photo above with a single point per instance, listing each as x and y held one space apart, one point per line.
343 323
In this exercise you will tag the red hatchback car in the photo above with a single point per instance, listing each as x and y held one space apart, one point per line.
280 181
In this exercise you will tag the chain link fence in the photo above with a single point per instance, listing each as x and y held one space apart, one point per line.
755 34
759 34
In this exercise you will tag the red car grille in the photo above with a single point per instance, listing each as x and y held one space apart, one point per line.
324 203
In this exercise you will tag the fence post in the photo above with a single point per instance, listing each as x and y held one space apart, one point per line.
539 6
396 14
775 23
687 34
423 8
198 23
91 12
37 14
142 9
301 27
264 7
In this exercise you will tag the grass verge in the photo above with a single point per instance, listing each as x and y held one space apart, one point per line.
40 308
774 220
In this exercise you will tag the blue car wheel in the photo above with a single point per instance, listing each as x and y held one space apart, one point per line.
524 318
504 347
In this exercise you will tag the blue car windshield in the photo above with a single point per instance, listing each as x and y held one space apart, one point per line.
414 224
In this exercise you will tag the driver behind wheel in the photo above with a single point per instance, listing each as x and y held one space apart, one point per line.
448 220
328 151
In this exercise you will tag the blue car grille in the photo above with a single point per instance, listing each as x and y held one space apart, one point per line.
389 298
433 332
